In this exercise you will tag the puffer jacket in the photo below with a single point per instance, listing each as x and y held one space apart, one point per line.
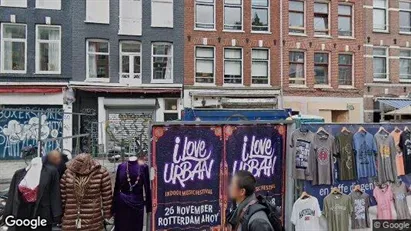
85 188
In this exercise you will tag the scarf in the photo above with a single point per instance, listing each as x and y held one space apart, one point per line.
234 218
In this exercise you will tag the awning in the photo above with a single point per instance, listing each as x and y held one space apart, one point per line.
128 90
30 90
396 102
402 111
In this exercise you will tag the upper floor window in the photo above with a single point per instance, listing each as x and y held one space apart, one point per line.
98 11
345 20
162 62
162 13
204 13
260 15
296 17
260 66
204 65
345 69
297 68
48 4
321 18
98 65
405 16
130 17
13 48
48 49
321 68
233 15
130 61
405 65
380 64
14 3
233 66
380 15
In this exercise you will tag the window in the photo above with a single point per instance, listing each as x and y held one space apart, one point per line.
233 66
13 48
170 109
98 11
233 15
14 3
260 69
296 17
405 65
321 18
48 49
345 69
130 55
162 62
345 20
321 68
297 68
98 65
405 16
130 17
48 4
204 14
380 15
204 65
260 15
380 64
162 13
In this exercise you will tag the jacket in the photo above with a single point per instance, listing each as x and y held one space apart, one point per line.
48 203
61 168
86 194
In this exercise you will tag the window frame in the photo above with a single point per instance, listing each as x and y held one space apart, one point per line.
3 5
387 20
387 65
242 16
352 17
200 2
172 62
177 111
352 70
328 68
214 66
304 65
328 19
38 71
98 22
399 13
58 8
153 2
268 7
303 29
88 78
404 57
268 61
2 40
241 69
131 64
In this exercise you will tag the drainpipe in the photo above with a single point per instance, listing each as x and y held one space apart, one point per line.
281 56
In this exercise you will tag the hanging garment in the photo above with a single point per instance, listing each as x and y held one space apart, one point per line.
405 145
384 198
86 194
387 166
337 210
306 213
45 204
400 199
396 134
365 150
360 203
301 146
130 197
345 156
321 165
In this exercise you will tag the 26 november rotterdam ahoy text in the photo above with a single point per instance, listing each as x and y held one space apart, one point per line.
33 223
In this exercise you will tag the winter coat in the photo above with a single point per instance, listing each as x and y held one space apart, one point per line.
85 188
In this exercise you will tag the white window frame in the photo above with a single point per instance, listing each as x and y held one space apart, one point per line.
268 66
242 17
303 29
58 7
88 78
131 56
329 68
404 57
329 18
387 22
387 63
242 67
352 70
122 30
163 1
177 111
98 22
38 41
352 20
172 62
5 5
195 65
305 69
268 8
200 2
404 10
13 40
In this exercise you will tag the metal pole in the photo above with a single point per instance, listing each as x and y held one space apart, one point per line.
79 132
39 136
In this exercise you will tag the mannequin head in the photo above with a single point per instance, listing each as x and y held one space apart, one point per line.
54 158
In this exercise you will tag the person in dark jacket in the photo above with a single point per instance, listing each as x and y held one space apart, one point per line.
56 159
242 192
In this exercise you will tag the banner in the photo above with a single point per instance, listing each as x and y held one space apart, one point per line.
187 189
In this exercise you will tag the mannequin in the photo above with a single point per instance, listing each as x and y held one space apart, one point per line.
34 191
131 194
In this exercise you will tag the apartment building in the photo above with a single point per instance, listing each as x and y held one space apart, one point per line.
232 54
387 40
322 59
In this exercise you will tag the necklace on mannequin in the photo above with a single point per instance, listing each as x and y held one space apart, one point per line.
129 180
